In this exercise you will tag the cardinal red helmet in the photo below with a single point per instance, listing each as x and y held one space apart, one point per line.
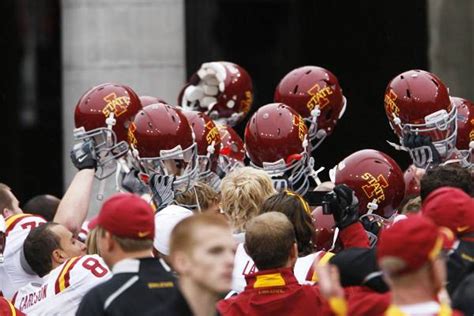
232 152
465 118
164 144
412 177
376 179
276 140
418 102
147 100
208 143
326 231
314 93
104 113
222 90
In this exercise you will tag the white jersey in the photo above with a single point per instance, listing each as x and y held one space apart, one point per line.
303 268
12 273
61 291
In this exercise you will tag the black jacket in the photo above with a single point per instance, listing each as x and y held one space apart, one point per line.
138 287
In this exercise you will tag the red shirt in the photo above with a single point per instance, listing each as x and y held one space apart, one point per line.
275 292
7 308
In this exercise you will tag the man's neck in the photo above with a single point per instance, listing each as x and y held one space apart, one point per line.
411 295
129 255
201 300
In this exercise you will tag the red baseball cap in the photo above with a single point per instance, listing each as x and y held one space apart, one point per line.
451 208
415 241
126 215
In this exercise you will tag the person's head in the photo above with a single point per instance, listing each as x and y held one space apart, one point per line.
49 245
44 205
9 204
410 254
410 205
452 208
125 228
243 192
165 221
202 198
202 252
450 175
270 241
298 212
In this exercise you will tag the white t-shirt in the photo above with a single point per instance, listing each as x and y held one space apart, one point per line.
303 269
61 291
12 274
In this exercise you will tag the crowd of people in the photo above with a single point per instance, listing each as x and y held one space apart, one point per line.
208 223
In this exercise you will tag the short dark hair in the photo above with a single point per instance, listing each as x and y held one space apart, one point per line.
268 240
298 212
44 205
39 246
446 176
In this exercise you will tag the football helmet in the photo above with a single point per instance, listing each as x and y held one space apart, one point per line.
147 100
163 141
326 237
222 90
276 140
104 113
417 103
412 177
232 152
208 143
465 118
376 179
314 93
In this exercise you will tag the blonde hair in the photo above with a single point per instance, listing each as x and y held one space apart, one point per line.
91 242
200 198
243 192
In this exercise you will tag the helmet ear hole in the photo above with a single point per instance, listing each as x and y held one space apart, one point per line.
329 114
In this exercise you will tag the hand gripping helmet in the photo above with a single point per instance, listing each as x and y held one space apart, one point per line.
147 100
208 143
417 102
376 179
232 152
276 140
315 94
465 118
104 113
163 141
222 90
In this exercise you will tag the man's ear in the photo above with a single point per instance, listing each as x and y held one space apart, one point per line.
7 213
180 262
293 253
58 257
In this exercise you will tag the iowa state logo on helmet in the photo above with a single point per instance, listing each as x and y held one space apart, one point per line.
116 105
374 189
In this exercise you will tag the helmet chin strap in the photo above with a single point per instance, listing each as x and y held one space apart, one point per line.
110 121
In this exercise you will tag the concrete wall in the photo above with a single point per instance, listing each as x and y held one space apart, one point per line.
139 43
451 53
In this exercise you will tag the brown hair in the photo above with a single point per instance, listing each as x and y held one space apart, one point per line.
182 236
200 198
91 242
6 200
298 212
128 244
269 239
243 192
411 205
39 246
450 175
